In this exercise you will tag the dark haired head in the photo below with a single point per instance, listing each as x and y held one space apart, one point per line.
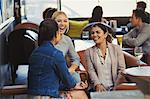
141 5
48 12
47 30
96 14
45 11
106 29
103 27
140 14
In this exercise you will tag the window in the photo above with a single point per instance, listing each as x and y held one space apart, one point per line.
83 8
32 10
111 8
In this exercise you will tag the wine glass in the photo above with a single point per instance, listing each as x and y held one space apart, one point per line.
138 52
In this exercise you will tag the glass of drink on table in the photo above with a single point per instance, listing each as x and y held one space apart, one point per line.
119 40
138 52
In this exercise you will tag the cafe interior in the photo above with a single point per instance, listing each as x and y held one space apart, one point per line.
19 28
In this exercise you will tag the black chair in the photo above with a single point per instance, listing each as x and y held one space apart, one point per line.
21 43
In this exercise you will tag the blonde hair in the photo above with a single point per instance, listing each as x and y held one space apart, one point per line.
57 13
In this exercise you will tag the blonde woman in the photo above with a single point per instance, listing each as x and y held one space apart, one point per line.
65 45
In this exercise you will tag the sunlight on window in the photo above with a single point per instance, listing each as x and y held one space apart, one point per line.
83 8
32 9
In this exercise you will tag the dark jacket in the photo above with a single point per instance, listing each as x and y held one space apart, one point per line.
47 69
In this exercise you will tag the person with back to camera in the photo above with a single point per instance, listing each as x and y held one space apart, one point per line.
47 66
140 34
105 60
97 15
65 44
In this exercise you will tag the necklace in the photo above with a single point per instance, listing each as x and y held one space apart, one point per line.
102 57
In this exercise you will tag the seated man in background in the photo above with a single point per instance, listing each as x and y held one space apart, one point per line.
140 34
140 5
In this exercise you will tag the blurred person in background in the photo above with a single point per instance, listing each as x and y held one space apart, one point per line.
48 12
140 5
139 36
97 15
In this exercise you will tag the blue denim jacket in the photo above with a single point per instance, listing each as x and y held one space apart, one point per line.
47 69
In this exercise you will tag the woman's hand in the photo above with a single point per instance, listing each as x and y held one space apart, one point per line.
81 85
72 68
100 88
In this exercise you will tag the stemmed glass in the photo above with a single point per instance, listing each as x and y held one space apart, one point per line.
138 54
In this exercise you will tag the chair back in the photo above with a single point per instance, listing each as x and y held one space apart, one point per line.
82 59
146 58
28 26
131 60
21 42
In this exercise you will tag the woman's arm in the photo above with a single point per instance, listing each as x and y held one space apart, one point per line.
74 57
62 71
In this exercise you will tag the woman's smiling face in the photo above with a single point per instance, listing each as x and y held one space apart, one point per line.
98 35
63 23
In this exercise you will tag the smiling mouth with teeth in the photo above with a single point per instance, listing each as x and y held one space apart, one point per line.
97 38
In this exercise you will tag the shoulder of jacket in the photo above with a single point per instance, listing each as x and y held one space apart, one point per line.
91 49
114 46
56 52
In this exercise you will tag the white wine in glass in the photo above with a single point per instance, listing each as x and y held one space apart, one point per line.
138 54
